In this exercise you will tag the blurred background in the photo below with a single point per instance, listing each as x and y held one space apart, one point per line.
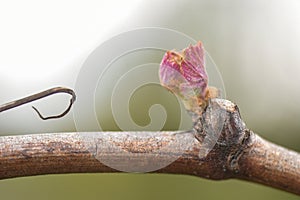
255 45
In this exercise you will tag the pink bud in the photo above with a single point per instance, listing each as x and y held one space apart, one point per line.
183 73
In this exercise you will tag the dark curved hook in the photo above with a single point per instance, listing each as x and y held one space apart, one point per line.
41 95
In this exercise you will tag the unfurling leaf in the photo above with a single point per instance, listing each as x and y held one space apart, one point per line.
183 73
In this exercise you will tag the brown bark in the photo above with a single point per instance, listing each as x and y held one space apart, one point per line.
238 153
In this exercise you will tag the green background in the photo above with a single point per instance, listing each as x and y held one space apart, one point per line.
134 186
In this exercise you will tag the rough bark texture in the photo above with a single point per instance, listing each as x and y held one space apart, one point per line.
238 153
